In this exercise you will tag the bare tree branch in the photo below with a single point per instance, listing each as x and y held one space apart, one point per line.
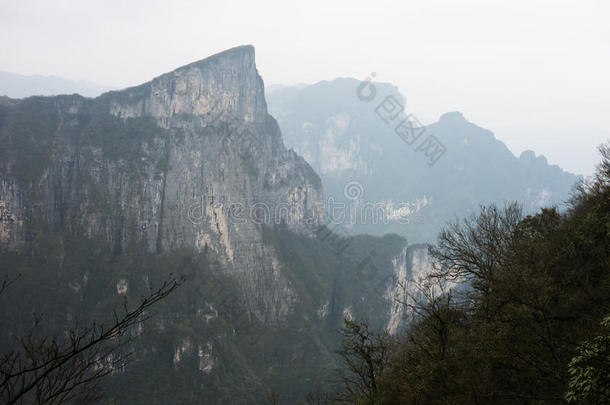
52 370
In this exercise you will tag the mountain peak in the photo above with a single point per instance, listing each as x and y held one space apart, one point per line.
527 155
226 83
453 117
530 156
236 53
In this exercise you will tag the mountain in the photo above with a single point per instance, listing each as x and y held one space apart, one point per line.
274 87
384 171
187 174
101 198
19 86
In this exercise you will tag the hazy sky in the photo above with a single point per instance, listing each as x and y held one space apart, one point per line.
535 72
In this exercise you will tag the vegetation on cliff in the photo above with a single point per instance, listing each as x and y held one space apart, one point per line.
529 320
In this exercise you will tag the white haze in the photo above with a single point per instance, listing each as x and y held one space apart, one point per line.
535 72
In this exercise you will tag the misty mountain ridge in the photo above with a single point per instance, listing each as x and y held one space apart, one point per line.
349 140
16 85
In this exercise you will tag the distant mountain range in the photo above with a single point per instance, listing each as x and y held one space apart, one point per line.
19 86
396 175
275 87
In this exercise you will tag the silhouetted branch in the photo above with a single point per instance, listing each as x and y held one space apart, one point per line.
49 370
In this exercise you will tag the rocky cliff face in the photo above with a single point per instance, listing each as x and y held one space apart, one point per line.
102 198
189 160
225 84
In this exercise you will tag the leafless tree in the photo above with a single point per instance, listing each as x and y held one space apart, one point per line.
366 356
434 308
7 281
56 370
474 249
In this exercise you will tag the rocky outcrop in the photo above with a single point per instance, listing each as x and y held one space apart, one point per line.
225 84
189 160
411 266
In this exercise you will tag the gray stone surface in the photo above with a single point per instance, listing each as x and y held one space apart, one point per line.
212 175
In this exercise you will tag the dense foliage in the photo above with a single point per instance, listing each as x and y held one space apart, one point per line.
516 311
